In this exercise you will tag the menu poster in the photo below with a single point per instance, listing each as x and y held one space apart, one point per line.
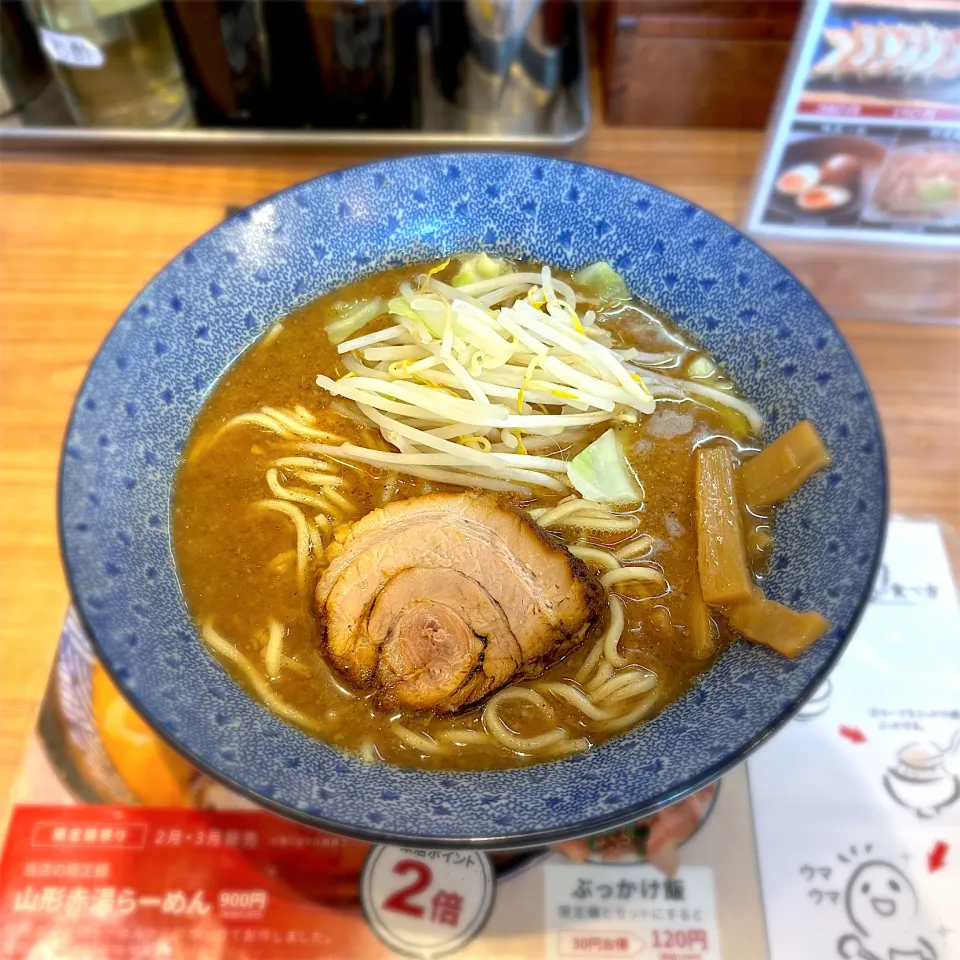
866 144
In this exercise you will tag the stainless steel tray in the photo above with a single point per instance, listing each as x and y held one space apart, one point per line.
526 117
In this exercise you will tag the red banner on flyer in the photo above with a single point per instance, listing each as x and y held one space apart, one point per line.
917 113
105 883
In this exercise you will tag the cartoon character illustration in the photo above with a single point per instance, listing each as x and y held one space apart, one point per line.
882 906
921 780
818 704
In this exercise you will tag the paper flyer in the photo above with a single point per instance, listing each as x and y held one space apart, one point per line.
856 804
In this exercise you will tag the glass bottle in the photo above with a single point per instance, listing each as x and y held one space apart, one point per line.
356 49
115 61
224 56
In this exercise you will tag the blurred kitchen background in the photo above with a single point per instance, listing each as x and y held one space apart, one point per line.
405 71
874 141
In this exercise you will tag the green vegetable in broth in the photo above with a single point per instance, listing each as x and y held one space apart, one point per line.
701 368
480 267
601 472
601 279
356 318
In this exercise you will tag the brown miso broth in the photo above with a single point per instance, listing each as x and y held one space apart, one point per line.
238 567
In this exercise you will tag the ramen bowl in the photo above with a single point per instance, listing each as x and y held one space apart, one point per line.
143 392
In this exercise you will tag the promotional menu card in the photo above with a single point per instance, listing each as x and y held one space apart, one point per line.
866 142
840 838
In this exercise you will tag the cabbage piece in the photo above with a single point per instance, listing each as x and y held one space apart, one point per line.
601 472
356 318
701 368
480 267
464 276
603 280
428 327
401 308
432 312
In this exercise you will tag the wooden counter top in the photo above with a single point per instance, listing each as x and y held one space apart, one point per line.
79 236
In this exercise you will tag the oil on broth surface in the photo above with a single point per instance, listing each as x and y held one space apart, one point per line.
237 569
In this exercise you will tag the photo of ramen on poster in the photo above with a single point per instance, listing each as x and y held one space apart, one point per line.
867 142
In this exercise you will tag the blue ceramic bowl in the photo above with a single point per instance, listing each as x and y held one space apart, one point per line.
151 376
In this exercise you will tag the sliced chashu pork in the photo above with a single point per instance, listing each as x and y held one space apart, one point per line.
438 601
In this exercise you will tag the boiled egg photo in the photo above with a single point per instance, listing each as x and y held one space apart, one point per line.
823 199
798 179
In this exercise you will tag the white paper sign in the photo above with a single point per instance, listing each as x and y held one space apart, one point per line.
612 910
857 802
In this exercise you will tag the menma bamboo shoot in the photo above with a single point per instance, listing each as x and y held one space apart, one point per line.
703 631
781 468
771 623
721 550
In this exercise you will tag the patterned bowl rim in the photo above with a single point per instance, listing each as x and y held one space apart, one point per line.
507 840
